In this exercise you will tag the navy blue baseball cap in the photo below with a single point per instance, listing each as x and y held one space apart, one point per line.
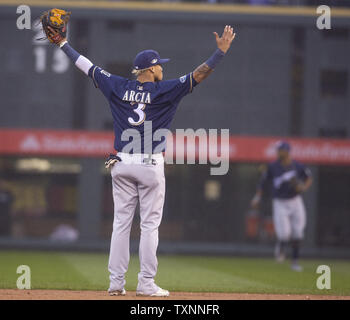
283 145
148 58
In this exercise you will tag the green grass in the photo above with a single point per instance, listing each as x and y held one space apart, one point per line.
88 271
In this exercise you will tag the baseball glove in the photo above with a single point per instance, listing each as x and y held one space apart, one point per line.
54 23
297 185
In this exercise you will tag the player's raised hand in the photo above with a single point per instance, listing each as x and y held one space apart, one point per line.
224 42
54 24
54 36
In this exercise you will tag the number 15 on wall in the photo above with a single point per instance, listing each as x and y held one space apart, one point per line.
59 62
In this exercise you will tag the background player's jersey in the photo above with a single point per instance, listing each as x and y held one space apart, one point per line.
132 103
283 178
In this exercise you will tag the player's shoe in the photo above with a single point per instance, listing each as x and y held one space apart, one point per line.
159 293
279 254
296 267
121 292
280 258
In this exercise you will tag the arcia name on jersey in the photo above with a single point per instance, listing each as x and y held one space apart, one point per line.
139 97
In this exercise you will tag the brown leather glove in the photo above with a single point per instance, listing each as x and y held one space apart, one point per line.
54 23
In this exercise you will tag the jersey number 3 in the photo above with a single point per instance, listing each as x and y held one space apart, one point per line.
139 111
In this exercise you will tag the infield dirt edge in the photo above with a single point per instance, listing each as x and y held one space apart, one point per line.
15 294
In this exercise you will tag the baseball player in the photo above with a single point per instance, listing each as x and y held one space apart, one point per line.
139 176
6 201
289 179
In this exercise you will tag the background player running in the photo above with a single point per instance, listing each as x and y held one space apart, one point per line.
289 179
141 176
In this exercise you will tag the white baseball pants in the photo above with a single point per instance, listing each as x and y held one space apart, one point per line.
289 218
134 179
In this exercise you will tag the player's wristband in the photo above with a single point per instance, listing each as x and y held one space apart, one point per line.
63 43
215 58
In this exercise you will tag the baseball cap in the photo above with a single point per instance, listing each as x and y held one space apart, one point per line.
283 145
147 58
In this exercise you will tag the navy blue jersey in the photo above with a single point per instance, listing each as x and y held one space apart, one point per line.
282 178
132 103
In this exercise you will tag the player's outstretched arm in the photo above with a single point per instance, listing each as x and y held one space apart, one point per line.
266 175
302 187
223 43
79 60
254 203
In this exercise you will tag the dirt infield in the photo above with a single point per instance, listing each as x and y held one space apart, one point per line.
13 294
